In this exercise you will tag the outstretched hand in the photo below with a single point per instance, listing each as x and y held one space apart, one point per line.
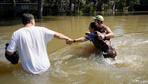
69 41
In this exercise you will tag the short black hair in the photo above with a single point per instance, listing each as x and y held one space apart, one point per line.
26 18
93 26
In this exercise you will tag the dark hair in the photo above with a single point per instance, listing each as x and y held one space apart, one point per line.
93 26
26 18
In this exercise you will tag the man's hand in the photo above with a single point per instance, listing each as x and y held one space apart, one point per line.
69 41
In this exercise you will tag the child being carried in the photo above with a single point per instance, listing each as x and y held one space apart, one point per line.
96 37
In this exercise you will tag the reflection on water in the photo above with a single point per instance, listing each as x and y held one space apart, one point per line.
78 64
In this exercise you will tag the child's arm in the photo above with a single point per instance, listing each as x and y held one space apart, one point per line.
81 39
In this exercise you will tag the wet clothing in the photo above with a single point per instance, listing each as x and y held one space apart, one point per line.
99 43
32 48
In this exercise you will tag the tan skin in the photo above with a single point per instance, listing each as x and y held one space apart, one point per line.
56 35
108 34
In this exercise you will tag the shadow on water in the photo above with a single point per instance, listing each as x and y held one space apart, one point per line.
7 68
76 50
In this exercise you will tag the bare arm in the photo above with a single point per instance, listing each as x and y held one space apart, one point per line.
81 39
109 34
63 37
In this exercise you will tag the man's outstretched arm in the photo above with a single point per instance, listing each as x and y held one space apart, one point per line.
63 37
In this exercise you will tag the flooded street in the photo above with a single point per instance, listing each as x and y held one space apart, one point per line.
77 63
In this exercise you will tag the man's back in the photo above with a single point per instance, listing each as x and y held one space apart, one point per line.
31 42
32 47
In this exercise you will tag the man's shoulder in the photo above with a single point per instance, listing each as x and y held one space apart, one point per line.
25 28
104 26
19 30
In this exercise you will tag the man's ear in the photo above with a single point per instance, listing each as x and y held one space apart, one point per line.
30 22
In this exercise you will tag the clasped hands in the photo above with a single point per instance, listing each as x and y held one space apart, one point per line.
70 41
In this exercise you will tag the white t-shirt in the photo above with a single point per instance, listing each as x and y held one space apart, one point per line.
32 46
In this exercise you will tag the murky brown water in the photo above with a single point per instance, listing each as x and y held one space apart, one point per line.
77 64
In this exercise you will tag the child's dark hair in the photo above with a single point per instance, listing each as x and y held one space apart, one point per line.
26 18
93 26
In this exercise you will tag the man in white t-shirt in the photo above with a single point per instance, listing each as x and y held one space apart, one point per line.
31 42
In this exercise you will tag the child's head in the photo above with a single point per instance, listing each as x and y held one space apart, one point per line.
92 27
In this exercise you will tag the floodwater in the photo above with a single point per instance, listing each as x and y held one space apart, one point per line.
77 63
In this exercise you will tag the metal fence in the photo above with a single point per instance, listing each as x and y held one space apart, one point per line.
15 9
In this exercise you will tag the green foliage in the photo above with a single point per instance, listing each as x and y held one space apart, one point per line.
88 9
82 7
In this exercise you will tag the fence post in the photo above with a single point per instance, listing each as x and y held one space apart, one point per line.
40 9
14 6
